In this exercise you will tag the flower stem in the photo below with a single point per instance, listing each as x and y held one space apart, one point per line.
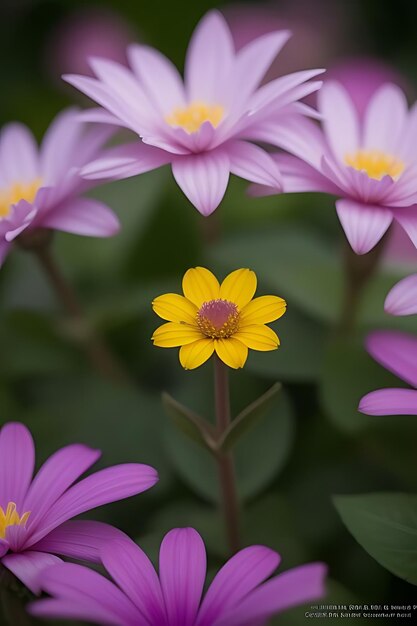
98 352
358 271
225 462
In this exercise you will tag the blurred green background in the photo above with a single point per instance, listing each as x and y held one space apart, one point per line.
313 444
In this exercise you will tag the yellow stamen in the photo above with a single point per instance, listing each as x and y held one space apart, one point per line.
11 518
15 192
375 163
191 118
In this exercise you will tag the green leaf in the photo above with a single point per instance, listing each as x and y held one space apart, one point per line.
189 422
247 419
385 525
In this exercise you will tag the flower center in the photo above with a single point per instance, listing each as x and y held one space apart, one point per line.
15 192
375 163
218 318
191 118
11 518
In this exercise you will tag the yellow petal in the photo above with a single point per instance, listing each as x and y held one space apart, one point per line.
195 354
175 308
172 335
200 285
263 310
239 287
258 337
231 351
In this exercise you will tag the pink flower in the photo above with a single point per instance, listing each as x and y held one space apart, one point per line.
402 299
200 127
41 187
397 352
34 512
239 594
371 164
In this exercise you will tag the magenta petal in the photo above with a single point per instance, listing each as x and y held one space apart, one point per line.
340 120
209 60
203 178
108 485
79 539
408 220
17 461
98 115
58 473
402 299
396 351
254 164
241 574
182 571
4 546
83 216
385 118
84 594
27 567
19 160
59 145
126 160
299 176
294 587
364 225
131 569
389 402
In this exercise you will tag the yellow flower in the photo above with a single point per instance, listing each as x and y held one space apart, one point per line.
212 317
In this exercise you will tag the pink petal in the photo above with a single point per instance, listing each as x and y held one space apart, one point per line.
299 176
126 160
17 461
340 120
396 351
276 91
101 116
58 473
182 571
131 569
4 547
84 594
19 160
408 219
364 225
59 144
159 77
402 299
385 118
389 402
28 566
254 164
293 588
209 60
108 485
83 216
408 139
203 178
241 574
79 539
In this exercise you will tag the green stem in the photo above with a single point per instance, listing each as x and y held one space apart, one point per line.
225 462
97 350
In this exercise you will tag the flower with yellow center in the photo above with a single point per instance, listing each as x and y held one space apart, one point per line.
375 163
11 517
210 317
192 117
16 192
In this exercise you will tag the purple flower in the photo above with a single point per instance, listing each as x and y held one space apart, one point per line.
370 163
237 596
200 126
397 352
402 299
41 187
34 512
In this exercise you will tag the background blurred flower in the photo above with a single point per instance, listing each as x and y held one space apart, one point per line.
397 352
372 165
199 128
40 187
36 525
222 318
238 593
